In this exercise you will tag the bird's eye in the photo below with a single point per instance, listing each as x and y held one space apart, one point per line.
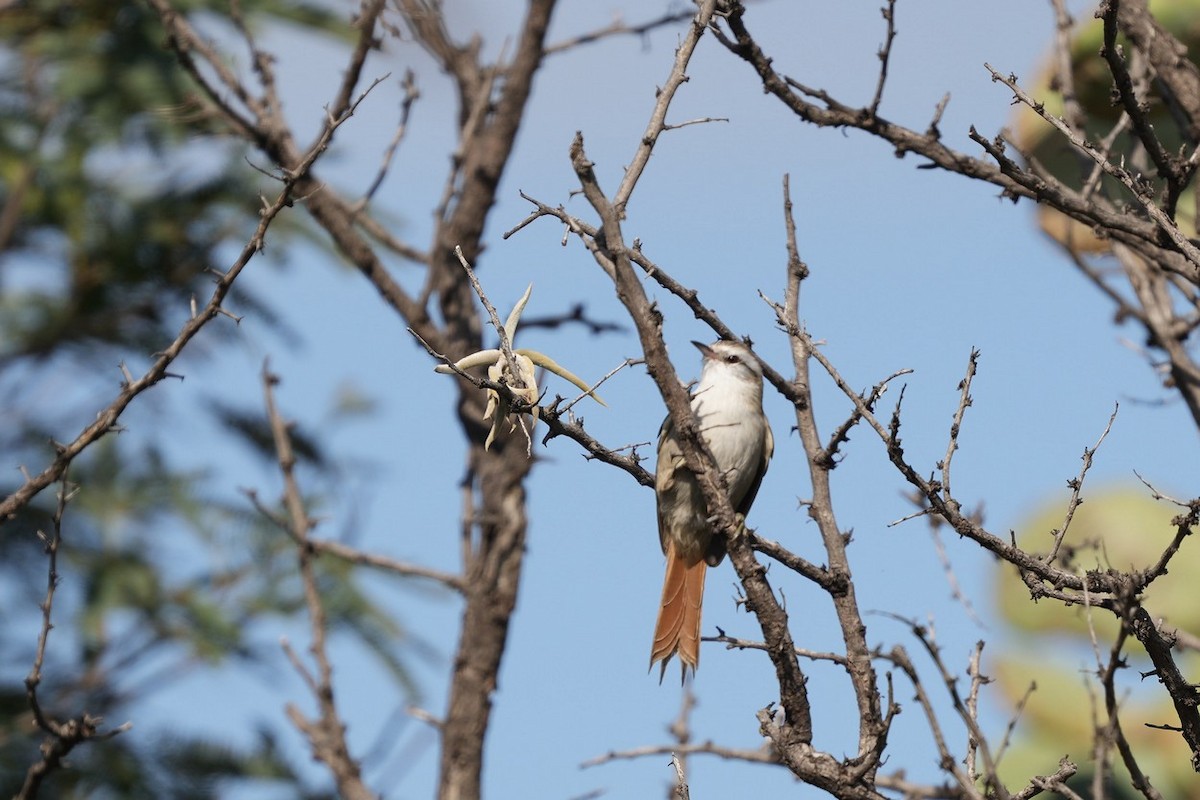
732 359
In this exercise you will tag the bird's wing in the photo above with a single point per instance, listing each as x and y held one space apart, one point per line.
743 507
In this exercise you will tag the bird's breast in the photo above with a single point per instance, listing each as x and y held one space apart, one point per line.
734 434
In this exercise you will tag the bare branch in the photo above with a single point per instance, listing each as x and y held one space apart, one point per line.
411 95
326 735
505 343
1055 783
1014 180
872 731
885 52
657 123
573 429
763 756
1135 109
946 760
829 580
61 736
964 401
619 27
1076 485
107 418
1064 71
1113 729
355 556
1138 187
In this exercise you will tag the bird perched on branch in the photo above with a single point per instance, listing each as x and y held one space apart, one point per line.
727 403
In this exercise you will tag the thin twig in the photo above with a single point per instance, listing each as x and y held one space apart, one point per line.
1111 52
629 362
1076 485
1064 72
977 680
885 52
1011 727
967 788
1140 189
656 125
763 756
991 777
361 557
956 590
326 735
505 342
411 95
964 401
106 419
733 643
618 28
681 787
62 736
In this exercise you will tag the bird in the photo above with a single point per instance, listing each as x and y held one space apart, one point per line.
727 403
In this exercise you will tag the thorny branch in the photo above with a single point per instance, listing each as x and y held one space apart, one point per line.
353 555
1176 172
1111 590
1076 484
1113 733
326 734
619 27
107 418
873 727
62 736
885 55
1137 186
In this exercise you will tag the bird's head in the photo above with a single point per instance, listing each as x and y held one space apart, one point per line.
726 360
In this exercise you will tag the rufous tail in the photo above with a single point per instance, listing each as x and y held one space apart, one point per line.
678 626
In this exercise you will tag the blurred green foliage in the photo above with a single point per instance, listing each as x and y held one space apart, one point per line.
117 198
1051 647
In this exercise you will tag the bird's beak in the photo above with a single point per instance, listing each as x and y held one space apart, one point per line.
705 350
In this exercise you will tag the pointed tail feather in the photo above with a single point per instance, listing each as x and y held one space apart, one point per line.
678 626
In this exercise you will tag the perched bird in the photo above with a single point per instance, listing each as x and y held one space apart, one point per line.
727 403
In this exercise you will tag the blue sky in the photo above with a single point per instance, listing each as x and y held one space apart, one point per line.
910 269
